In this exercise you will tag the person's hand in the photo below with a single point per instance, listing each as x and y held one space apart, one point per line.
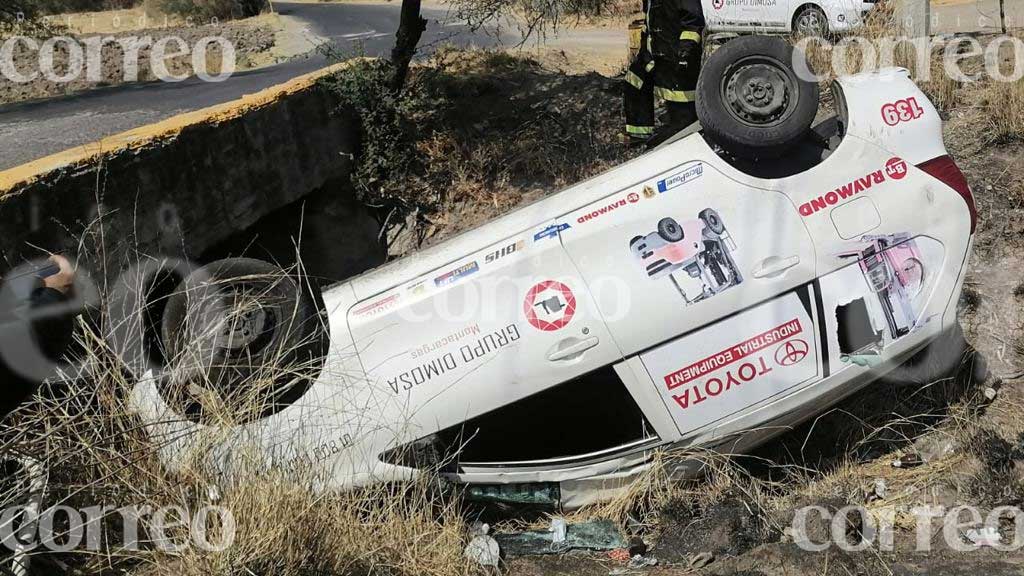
64 279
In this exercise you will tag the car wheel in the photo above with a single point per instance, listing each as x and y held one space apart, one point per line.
810 21
670 230
712 220
750 100
243 340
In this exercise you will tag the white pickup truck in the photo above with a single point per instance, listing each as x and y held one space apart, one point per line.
806 17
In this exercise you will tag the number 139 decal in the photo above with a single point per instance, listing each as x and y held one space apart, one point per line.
901 111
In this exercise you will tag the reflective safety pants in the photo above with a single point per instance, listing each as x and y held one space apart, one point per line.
666 69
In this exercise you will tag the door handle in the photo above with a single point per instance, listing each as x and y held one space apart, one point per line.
775 265
570 348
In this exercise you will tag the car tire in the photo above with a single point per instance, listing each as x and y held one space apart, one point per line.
670 230
750 100
256 360
712 220
810 21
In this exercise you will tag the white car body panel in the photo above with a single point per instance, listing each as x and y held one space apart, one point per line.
778 15
797 241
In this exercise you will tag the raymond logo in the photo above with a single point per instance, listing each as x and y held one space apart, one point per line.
603 210
895 169
633 197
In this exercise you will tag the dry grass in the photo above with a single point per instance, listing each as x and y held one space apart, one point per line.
1003 105
98 451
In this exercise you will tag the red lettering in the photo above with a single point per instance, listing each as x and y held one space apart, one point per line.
878 176
846 191
683 400
707 386
831 198
698 398
806 209
752 373
730 380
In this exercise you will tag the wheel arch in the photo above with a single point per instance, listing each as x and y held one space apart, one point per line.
800 7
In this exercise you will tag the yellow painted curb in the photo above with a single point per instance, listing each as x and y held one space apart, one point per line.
143 135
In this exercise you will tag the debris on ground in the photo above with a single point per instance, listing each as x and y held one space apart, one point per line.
877 491
641 561
619 555
596 535
479 528
558 530
934 447
911 460
484 550
987 536
701 560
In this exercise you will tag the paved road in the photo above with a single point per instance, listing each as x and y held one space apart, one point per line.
950 16
36 129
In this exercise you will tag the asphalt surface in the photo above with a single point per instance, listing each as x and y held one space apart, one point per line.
32 130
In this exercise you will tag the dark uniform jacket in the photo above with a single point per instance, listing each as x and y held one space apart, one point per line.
34 332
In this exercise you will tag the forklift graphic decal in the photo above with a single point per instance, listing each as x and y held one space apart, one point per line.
696 254
894 272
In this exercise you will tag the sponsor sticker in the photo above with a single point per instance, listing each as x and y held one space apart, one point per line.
895 169
732 354
444 341
454 275
648 192
736 366
551 231
500 253
439 366
905 110
377 307
688 174
549 306
601 211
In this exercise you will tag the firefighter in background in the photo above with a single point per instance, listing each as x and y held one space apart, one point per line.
666 66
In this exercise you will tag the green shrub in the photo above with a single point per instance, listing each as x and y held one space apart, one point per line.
389 163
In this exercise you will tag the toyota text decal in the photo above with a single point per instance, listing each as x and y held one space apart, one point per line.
549 306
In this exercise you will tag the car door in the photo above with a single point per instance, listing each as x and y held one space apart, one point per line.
491 327
740 15
683 251
721 15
